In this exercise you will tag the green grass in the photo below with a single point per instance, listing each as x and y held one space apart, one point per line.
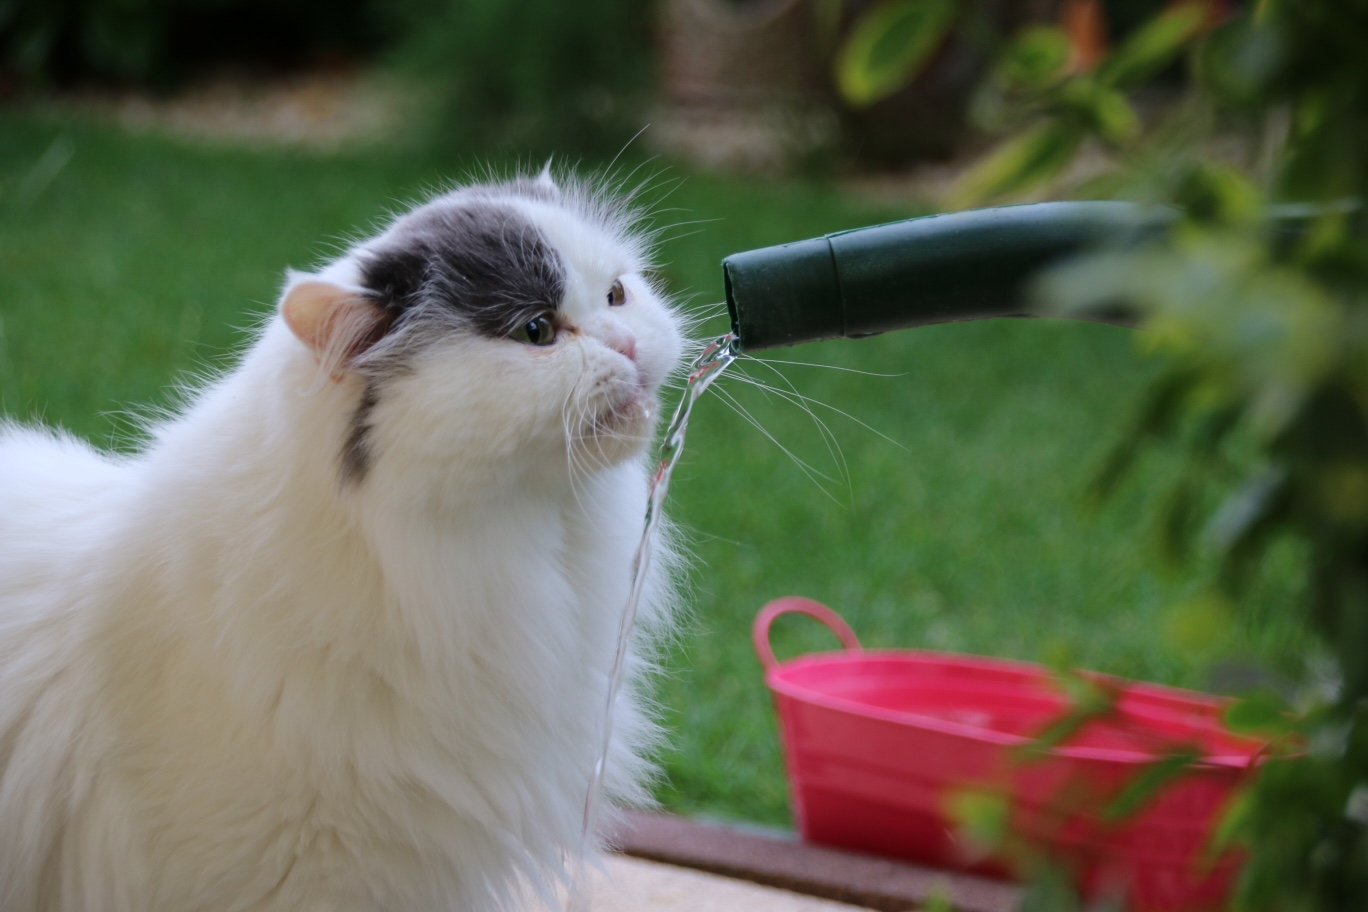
128 261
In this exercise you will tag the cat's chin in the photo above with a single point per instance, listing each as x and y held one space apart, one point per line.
622 431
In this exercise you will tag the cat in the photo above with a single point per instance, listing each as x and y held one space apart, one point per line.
339 637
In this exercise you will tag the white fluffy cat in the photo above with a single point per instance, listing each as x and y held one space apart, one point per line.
339 637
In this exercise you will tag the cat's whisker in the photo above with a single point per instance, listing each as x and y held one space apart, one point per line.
828 437
609 180
688 224
571 434
650 183
693 324
679 237
831 367
704 312
660 234
608 169
716 307
657 224
808 405
579 436
826 405
814 475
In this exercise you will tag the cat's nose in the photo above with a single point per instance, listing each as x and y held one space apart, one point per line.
624 343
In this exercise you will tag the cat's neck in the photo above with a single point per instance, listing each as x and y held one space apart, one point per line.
246 502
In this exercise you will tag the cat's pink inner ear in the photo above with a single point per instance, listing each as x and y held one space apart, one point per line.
336 323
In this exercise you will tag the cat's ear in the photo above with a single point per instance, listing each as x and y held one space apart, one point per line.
546 180
337 323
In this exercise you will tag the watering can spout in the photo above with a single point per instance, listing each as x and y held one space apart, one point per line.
935 269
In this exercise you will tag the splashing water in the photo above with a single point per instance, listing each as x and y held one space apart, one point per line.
719 353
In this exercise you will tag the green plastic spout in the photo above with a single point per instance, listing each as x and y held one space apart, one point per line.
935 269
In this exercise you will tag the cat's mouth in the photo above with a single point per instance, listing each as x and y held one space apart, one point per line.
632 416
623 423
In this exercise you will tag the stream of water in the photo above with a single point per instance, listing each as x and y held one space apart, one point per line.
719 353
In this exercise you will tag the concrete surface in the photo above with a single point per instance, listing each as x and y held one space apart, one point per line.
785 863
636 885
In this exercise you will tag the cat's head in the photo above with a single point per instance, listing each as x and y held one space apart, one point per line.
502 324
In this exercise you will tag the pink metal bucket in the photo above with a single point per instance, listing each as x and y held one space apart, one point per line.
878 742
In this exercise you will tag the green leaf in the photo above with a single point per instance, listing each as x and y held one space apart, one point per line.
1342 492
1035 58
1260 714
1323 157
1153 46
1159 413
889 46
1215 192
1113 118
1243 517
1051 888
1241 61
1233 823
1178 520
1091 700
1104 110
939 900
982 817
1147 784
1020 164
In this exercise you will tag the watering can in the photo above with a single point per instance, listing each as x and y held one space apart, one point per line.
935 269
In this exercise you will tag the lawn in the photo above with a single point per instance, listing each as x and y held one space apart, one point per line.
955 520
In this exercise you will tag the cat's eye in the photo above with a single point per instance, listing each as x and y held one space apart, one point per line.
539 331
617 295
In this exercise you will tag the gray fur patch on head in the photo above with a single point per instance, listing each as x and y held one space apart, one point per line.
481 262
471 263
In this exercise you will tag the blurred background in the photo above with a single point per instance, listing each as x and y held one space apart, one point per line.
162 163
753 85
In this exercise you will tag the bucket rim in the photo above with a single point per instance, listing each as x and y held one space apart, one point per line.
778 681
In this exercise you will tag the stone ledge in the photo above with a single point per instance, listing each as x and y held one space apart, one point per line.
781 861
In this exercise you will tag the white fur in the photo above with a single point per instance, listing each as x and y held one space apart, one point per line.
231 681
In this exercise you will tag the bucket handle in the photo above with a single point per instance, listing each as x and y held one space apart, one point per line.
794 604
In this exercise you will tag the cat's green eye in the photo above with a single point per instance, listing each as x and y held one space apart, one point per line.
539 331
617 295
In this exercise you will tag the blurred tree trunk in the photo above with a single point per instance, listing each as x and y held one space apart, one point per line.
742 81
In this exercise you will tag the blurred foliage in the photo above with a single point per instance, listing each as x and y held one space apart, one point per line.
1255 303
540 75
893 41
157 42
900 62
889 45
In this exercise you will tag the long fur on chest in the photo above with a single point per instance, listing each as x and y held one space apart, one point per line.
223 683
